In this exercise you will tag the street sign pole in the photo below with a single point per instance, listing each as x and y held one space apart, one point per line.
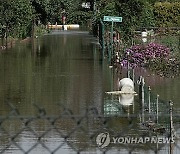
112 38
112 20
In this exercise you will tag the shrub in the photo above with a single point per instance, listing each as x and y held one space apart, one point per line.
167 14
140 55
136 14
154 56
16 17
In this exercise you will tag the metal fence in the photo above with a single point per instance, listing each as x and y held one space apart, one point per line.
110 41
116 129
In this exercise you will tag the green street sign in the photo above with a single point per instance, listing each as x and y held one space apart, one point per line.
111 18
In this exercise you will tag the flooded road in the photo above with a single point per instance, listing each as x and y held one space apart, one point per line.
62 72
62 67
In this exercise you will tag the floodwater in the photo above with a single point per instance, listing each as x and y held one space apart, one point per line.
63 73
62 67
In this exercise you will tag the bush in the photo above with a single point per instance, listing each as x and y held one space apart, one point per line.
136 14
16 17
167 14
140 55
147 16
153 56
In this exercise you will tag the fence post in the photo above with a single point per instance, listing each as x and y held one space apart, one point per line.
171 126
128 71
112 24
171 120
133 75
109 52
141 95
157 109
102 38
149 100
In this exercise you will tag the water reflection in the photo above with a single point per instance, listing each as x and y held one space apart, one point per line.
126 99
62 67
119 105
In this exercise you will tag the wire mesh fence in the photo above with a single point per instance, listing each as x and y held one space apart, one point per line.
91 132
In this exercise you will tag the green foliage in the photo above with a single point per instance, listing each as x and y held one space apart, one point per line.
106 7
16 16
54 12
80 17
167 14
136 14
172 41
147 16
72 9
40 30
41 10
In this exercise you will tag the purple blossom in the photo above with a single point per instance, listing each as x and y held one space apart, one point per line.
139 55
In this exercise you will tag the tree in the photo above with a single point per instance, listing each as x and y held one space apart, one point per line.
167 14
56 7
41 10
16 17
72 9
136 14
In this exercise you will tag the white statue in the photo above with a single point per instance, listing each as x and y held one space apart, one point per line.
126 85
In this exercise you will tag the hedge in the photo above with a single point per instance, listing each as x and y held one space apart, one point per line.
167 14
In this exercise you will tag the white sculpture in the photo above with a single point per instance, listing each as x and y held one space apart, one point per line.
126 85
